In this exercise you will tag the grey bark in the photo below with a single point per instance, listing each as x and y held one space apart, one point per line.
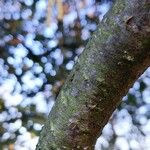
116 55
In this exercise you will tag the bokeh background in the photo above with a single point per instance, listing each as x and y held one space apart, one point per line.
40 41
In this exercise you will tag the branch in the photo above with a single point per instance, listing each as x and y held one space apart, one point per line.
114 58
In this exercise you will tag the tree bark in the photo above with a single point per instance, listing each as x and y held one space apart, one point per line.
116 55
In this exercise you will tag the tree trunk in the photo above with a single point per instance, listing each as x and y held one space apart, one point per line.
116 55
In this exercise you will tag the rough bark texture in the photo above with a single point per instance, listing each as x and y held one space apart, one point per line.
115 56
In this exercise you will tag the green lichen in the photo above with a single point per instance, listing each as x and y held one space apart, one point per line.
119 6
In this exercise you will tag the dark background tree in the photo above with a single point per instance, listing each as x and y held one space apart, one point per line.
35 60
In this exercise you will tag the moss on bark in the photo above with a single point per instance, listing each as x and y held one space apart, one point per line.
116 55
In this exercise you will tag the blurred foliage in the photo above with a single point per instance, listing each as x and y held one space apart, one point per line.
35 58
